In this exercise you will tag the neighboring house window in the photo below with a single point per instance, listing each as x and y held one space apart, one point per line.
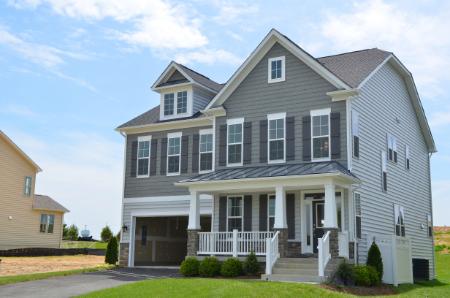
357 203
276 69
182 102
407 157
355 133
392 147
271 213
383 170
235 213
429 225
144 236
206 150
320 127
277 137
143 156
399 215
235 137
47 223
169 104
173 153
27 186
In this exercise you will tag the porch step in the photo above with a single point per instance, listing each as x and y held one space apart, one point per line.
293 277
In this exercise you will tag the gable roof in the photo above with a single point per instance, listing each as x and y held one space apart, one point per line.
41 202
18 150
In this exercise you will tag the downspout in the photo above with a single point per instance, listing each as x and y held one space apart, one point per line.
123 191
431 213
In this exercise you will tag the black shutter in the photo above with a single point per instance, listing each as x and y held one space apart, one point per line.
290 214
335 119
356 146
263 212
290 138
263 141
153 155
306 138
163 164
195 152
184 154
247 143
223 145
133 158
248 213
222 214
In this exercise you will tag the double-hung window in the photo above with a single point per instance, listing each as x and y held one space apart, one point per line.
235 141
169 104
276 69
175 103
355 133
47 223
271 212
429 226
143 156
173 153
407 157
27 186
357 202
320 134
235 213
276 137
392 147
399 216
206 149
383 171
182 102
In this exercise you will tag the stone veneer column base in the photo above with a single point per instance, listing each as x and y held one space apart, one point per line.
192 242
282 242
334 241
124 250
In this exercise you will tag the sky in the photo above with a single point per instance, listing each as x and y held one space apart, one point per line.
71 71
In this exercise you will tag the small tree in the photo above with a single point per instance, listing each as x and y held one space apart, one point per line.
106 234
118 236
251 265
72 233
65 232
112 252
374 259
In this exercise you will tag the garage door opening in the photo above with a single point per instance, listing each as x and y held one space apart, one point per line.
162 241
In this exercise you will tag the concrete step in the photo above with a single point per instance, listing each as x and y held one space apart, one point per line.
297 260
296 265
293 277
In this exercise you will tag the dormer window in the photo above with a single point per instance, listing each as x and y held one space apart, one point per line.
182 102
176 104
276 69
168 104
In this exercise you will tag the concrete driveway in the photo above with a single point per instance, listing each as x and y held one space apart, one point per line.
73 285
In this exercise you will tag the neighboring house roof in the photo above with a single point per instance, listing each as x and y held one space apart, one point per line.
302 169
42 202
17 148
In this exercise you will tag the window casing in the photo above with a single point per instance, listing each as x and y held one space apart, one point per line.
355 133
320 135
276 69
143 156
235 213
407 158
175 104
399 217
182 102
392 148
169 104
276 137
206 150
28 186
47 223
270 212
235 138
429 225
173 154
357 202
383 171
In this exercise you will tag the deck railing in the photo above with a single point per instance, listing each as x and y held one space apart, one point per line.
324 252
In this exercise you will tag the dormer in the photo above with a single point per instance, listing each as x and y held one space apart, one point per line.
183 92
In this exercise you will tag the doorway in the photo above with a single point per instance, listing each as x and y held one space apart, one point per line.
318 222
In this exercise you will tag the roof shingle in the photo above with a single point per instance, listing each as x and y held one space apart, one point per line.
42 202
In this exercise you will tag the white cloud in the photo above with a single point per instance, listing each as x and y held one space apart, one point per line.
208 56
441 202
440 119
18 110
232 13
419 39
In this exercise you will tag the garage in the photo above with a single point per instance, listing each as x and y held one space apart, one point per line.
162 241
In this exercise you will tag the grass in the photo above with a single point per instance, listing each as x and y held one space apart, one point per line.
36 276
84 244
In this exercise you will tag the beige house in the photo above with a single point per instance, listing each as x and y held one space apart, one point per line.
26 219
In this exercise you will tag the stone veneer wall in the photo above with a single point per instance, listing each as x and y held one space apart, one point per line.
334 241
294 249
192 242
123 254
282 242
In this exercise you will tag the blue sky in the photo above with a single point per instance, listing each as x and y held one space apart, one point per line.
71 71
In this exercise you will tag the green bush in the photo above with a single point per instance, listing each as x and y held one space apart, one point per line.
189 267
72 233
106 234
344 273
251 265
374 259
439 248
361 276
209 267
373 276
232 267
112 252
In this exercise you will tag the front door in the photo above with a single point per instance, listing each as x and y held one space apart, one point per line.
318 221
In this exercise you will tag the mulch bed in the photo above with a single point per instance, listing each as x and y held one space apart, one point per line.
382 290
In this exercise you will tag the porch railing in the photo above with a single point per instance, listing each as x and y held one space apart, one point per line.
272 253
233 243
343 244
324 253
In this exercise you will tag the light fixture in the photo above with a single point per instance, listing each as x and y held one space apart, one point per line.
124 228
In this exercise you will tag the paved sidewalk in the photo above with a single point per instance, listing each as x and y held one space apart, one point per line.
73 285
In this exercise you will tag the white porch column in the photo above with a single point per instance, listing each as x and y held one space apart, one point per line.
194 211
330 206
280 208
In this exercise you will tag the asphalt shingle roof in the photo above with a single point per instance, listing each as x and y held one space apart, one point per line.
201 79
42 202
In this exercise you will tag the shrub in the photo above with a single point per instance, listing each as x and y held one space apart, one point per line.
374 259
209 267
344 273
112 252
439 248
72 233
189 267
361 276
106 234
251 265
373 276
232 267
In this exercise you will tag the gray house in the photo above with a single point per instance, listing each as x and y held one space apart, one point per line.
301 160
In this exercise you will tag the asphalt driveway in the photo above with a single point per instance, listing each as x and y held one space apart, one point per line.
73 285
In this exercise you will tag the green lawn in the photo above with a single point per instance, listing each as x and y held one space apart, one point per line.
84 244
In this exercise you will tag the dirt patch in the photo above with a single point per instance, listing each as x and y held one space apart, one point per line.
382 290
29 265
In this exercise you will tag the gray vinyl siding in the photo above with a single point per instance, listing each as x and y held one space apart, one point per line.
158 185
385 107
201 98
302 91
176 76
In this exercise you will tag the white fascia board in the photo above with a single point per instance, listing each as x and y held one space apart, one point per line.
217 112
341 95
169 125
169 70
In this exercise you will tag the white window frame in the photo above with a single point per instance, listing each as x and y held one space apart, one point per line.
28 186
233 122
206 132
429 225
272 117
164 104
149 140
268 211
174 135
47 223
383 169
358 212
283 69
313 114
407 158
392 145
355 133
242 211
399 211
177 93
189 107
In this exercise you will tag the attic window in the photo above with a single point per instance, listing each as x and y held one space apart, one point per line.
276 69
168 104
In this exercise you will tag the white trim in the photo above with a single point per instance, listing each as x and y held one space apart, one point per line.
356 213
283 69
149 140
273 117
268 211
167 125
205 132
349 138
236 121
159 199
320 112
242 211
341 95
374 71
316 113
174 135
